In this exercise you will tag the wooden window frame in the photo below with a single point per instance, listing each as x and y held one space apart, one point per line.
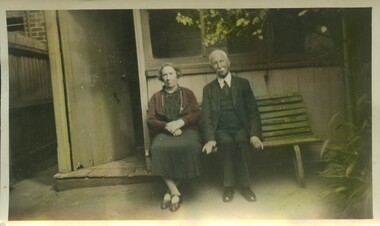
239 61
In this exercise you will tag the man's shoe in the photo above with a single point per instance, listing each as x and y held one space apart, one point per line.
228 194
248 194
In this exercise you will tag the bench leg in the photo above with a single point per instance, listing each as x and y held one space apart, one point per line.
298 166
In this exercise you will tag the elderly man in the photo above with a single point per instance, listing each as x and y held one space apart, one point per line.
230 122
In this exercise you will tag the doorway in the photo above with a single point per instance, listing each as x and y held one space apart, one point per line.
102 94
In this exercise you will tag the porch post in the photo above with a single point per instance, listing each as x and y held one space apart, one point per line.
348 81
142 78
4 125
59 100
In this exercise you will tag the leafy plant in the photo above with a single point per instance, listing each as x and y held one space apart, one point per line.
218 24
349 170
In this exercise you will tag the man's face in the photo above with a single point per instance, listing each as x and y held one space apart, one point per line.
220 64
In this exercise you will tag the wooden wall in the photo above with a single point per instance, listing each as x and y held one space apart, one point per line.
31 117
321 87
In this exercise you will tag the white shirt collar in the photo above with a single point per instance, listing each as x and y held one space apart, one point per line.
227 79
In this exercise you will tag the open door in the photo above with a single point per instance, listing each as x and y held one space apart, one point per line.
100 75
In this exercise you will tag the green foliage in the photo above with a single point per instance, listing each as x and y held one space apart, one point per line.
218 24
349 170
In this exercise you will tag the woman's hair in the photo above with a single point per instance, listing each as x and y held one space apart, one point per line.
177 70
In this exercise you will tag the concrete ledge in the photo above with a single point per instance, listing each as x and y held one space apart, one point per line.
72 183
125 171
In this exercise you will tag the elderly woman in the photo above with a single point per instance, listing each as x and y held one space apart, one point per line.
173 115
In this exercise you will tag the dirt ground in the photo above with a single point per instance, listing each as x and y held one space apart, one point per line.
278 197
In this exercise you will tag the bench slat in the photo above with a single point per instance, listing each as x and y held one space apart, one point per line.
289 137
290 141
284 123
286 132
273 96
280 107
286 119
285 126
278 100
283 113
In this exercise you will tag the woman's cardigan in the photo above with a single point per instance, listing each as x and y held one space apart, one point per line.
189 112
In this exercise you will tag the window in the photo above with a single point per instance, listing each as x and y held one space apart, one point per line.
15 24
300 38
288 32
171 39
288 39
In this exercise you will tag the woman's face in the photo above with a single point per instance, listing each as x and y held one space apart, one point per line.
169 77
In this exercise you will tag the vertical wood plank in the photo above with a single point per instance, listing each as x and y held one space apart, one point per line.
63 149
260 88
141 56
337 103
45 79
197 84
210 78
291 81
49 91
12 78
321 101
186 81
247 75
40 79
29 79
306 81
4 125
154 85
34 78
75 130
276 82
22 78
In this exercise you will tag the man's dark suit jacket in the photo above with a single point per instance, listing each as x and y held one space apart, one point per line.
244 104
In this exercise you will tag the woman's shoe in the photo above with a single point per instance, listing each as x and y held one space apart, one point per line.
166 200
175 203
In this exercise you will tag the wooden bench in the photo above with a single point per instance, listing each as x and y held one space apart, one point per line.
285 123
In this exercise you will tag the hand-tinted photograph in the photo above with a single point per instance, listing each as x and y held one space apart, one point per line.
190 114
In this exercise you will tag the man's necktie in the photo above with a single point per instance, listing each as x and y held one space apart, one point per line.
226 88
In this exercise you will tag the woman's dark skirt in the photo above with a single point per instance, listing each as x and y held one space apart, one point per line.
176 157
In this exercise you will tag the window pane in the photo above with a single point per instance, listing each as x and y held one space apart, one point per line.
244 44
312 35
288 32
171 39
15 24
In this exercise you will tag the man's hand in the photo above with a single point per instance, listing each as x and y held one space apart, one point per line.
256 142
174 125
209 146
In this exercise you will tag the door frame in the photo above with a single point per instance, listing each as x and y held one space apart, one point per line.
59 93
142 78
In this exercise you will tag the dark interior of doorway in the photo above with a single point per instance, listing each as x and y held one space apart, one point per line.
126 17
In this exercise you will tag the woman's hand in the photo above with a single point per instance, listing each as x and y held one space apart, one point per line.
178 132
174 125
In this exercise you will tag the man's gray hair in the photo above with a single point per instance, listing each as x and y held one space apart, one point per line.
217 51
